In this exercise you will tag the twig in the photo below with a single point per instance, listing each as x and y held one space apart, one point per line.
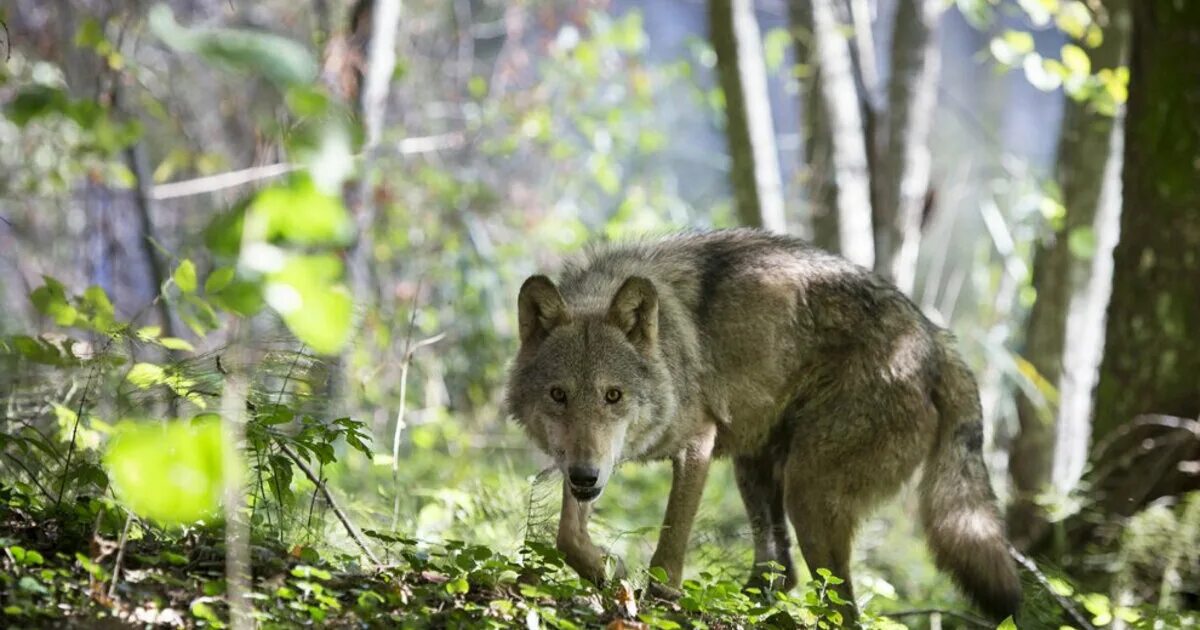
1166 422
116 575
430 144
400 424
32 477
350 528
1065 603
220 181
920 612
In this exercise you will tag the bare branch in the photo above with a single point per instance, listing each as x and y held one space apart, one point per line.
1065 603
220 181
350 528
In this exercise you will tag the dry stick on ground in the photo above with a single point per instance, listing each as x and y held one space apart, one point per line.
116 575
350 528
1065 603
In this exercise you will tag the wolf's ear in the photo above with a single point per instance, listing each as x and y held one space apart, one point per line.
634 310
540 308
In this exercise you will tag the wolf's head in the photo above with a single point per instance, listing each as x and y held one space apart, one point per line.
587 383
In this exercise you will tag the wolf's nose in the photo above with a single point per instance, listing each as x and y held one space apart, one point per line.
583 476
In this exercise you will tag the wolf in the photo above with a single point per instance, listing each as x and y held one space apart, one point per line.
825 385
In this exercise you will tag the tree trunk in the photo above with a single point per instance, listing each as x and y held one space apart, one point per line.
381 63
1151 364
1060 278
757 184
840 109
1148 396
818 143
904 166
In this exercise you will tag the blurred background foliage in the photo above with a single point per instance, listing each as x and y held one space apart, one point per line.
242 247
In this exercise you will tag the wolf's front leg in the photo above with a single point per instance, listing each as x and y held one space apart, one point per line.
576 545
690 468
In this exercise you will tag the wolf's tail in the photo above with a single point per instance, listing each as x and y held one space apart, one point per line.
962 522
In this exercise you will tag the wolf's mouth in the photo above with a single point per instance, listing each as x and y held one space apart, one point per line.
586 494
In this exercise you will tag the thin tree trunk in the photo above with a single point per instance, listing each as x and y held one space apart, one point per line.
1060 276
840 107
757 184
818 143
903 171
381 63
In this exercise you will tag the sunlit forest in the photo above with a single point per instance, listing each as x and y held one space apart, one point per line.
263 284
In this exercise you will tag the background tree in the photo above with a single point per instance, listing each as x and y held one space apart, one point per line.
754 167
1062 274
1154 314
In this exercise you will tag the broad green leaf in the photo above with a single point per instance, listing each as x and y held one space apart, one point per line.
314 306
185 276
50 299
240 297
298 213
36 101
173 473
658 574
283 61
218 279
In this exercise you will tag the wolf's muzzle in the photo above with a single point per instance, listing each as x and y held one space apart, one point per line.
586 494
583 482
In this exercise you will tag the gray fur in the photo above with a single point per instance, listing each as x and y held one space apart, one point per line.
825 384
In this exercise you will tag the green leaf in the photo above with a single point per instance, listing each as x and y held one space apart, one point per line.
658 574
1007 624
314 306
146 375
36 101
282 61
241 297
1076 60
185 276
218 279
173 473
298 213
1074 19
775 45
1082 242
89 33
175 343
50 299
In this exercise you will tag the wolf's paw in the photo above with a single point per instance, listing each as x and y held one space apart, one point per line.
658 590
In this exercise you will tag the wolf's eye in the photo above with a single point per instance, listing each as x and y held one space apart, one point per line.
612 395
558 395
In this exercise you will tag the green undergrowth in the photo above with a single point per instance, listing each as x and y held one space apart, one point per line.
56 571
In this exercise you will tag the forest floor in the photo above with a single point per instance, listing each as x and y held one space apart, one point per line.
57 571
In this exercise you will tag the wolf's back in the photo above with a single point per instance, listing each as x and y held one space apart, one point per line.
962 523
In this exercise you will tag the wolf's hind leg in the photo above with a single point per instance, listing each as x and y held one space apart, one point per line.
761 488
824 527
